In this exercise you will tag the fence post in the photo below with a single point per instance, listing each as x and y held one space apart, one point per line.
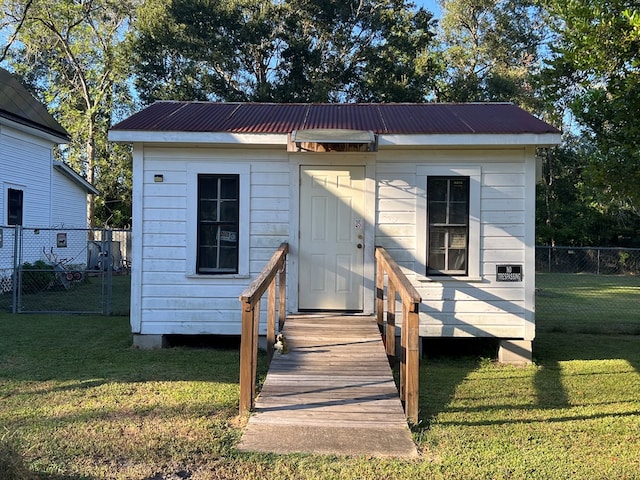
109 306
17 273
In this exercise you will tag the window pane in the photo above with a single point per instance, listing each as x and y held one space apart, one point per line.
457 260
436 261
437 239
228 257
208 210
437 212
208 258
228 211
458 213
457 237
437 189
229 188
208 186
459 190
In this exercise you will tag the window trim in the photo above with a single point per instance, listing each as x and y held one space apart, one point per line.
201 269
194 169
474 173
447 226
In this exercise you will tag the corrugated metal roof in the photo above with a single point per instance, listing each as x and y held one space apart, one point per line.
17 105
383 118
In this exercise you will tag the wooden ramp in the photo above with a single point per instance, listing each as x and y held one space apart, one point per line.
332 393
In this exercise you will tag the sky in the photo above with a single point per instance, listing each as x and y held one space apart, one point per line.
431 5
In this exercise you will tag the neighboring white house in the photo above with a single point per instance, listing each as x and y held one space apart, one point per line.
448 189
36 190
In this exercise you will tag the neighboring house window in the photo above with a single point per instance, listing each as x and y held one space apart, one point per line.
448 225
15 206
218 223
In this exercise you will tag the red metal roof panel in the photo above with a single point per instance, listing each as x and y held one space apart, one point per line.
424 118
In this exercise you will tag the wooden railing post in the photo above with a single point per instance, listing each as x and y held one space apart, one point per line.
282 285
409 355
380 298
391 320
412 363
246 360
250 331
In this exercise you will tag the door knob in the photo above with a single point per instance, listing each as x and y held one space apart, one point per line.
359 245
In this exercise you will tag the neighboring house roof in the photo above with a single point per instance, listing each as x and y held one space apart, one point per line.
382 119
19 106
73 175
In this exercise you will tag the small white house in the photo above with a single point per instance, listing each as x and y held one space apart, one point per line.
35 189
447 189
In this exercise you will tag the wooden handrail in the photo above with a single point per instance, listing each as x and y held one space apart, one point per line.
250 298
398 283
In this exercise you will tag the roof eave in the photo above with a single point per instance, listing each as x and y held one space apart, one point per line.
34 129
474 139
73 175
223 138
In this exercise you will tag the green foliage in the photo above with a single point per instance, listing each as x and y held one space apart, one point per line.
69 53
37 276
595 71
573 209
491 49
296 50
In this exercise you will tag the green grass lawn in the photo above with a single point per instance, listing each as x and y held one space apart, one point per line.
78 402
586 303
88 296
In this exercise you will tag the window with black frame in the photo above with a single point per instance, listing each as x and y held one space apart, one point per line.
15 204
448 225
218 223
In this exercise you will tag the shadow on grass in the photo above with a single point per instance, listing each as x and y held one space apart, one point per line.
447 362
90 350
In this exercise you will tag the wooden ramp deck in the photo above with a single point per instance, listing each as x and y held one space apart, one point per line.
332 393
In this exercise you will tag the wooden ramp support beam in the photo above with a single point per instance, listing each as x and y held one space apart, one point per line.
399 284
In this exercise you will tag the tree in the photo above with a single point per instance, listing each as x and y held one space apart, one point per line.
595 70
69 52
291 50
491 49
572 210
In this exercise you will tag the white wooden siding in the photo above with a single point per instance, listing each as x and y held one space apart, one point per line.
482 306
26 164
172 301
68 202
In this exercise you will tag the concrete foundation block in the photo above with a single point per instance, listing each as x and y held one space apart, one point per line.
516 352
148 342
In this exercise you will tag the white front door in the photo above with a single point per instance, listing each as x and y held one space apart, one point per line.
331 245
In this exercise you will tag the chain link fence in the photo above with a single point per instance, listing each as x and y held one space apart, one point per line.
588 290
52 270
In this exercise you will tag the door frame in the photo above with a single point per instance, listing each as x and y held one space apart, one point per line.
298 160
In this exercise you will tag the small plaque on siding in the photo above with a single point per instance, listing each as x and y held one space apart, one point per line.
509 273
